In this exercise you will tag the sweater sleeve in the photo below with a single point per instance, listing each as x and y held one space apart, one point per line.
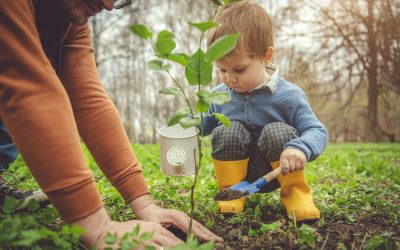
36 109
97 118
313 136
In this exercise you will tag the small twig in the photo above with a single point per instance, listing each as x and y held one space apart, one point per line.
290 239
294 220
326 239
363 241
354 242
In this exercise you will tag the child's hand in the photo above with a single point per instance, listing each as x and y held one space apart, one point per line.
292 160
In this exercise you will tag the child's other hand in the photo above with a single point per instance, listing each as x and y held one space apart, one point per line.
292 160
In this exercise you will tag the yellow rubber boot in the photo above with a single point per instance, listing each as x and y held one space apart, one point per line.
296 196
229 173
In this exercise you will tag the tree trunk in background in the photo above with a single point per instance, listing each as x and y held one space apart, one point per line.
373 130
344 54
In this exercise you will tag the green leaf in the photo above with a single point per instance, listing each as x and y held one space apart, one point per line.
217 2
76 232
110 238
182 246
251 232
222 46
165 43
230 1
32 205
268 227
187 122
180 58
128 245
10 203
206 246
235 220
178 115
146 236
192 242
305 235
203 93
223 119
204 26
169 91
199 70
202 105
155 64
141 31
136 230
380 242
28 238
220 97
158 65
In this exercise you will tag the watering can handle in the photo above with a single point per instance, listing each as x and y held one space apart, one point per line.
273 174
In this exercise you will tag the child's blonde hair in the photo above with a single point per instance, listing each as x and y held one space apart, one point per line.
250 20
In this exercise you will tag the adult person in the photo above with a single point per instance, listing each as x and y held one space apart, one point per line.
50 96
8 154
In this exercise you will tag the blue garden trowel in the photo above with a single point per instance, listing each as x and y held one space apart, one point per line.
245 188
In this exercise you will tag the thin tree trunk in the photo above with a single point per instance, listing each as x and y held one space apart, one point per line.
373 131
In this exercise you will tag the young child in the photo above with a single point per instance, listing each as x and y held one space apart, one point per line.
272 123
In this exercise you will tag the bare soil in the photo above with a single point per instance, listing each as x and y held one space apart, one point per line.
230 194
328 235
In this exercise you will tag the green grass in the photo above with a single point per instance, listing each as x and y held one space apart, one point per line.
349 182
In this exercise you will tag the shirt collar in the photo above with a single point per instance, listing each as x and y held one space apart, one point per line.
272 82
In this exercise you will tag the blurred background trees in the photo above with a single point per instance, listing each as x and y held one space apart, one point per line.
345 54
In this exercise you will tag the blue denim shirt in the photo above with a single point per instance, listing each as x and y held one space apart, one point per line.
276 101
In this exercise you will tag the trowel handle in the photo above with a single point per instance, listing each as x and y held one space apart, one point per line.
273 174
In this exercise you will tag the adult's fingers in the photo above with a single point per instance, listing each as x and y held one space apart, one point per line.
203 233
164 238
181 221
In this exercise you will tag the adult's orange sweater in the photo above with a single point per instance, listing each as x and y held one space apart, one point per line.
50 97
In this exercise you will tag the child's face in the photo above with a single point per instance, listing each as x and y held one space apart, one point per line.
242 72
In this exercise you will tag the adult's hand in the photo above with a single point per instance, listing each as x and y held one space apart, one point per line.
98 225
145 209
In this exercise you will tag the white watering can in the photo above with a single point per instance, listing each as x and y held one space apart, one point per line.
179 150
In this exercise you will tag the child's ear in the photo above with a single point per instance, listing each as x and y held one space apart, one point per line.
268 55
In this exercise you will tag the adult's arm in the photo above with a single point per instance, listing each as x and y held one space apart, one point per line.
37 111
97 119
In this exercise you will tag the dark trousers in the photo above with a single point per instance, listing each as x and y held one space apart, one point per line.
8 150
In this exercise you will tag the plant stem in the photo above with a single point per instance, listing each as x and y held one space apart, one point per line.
198 165
182 92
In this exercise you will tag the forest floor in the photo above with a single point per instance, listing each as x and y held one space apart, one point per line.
355 186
